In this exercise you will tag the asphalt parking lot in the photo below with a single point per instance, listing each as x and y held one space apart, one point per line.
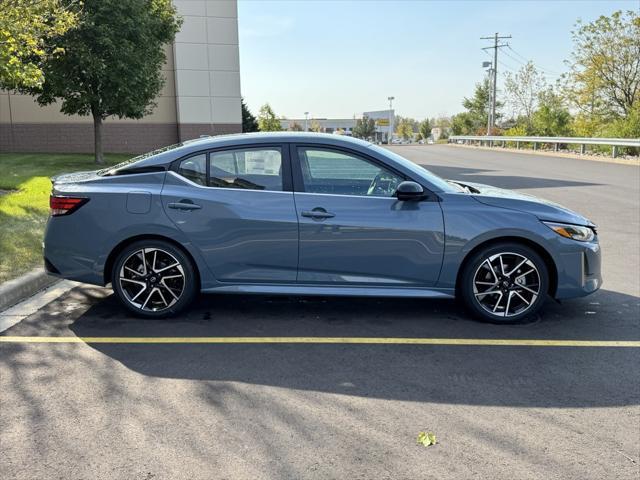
115 410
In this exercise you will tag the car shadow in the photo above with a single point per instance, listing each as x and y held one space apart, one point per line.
552 377
510 182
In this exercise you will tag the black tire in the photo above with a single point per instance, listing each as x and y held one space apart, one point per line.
167 296
507 288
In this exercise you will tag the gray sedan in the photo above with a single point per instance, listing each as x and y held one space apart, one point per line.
311 214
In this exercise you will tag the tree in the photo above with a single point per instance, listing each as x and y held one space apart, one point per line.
315 126
28 31
411 121
267 120
249 122
604 81
474 120
464 123
523 91
112 61
404 129
365 127
552 118
425 129
295 127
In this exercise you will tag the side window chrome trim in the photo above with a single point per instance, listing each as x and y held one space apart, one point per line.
189 182
345 195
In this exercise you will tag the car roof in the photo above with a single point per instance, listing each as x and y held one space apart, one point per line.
170 153
265 137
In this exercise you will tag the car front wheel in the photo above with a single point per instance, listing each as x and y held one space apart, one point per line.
154 279
504 283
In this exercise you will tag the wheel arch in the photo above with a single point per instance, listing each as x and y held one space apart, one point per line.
539 249
113 255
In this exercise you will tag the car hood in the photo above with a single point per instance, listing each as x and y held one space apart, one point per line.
541 208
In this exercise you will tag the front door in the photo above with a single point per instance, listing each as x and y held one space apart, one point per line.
352 228
237 207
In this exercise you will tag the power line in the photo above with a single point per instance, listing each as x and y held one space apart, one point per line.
546 70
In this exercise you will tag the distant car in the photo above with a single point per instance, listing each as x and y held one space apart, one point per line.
430 141
396 141
311 214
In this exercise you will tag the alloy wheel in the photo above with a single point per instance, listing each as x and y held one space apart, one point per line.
152 279
506 284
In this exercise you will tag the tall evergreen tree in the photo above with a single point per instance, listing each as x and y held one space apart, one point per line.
249 121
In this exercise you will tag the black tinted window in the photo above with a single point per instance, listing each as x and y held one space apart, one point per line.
252 169
194 168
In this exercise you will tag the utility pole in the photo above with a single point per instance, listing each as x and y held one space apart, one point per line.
494 83
306 118
391 99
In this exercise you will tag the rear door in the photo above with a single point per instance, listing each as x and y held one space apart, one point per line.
236 205
353 231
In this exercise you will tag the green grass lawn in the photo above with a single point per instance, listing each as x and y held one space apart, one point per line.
24 204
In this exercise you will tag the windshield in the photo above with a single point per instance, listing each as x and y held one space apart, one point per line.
440 184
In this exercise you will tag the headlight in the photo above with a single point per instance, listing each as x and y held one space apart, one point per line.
574 232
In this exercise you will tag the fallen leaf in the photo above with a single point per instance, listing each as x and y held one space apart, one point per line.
426 439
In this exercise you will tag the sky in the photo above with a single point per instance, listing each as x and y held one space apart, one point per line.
337 59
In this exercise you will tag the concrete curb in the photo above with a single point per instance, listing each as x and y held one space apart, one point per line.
29 284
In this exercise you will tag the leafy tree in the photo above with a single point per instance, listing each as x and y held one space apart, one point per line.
604 81
628 127
523 91
465 123
404 129
444 123
295 127
112 61
267 120
552 118
411 121
425 129
315 126
249 122
474 120
28 31
365 127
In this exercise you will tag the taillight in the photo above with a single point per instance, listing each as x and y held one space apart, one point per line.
60 205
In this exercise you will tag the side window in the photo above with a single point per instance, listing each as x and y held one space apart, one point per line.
251 169
333 172
194 168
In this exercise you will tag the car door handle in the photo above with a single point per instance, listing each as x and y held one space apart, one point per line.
317 213
184 205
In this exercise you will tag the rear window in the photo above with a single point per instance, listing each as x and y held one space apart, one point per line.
247 169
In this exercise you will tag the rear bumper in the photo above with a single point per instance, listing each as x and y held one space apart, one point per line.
69 256
579 269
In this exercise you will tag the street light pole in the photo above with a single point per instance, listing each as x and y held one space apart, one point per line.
391 99
306 117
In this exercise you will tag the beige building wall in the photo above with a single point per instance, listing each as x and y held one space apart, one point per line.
207 68
201 95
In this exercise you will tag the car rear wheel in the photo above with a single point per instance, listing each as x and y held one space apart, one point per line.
505 283
154 279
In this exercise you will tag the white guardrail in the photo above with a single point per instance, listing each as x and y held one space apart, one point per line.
490 141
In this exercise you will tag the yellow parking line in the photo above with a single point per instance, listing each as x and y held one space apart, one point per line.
328 340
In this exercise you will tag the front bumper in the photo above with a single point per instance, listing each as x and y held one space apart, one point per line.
579 269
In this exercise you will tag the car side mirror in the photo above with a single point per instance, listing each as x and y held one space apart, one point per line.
408 191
